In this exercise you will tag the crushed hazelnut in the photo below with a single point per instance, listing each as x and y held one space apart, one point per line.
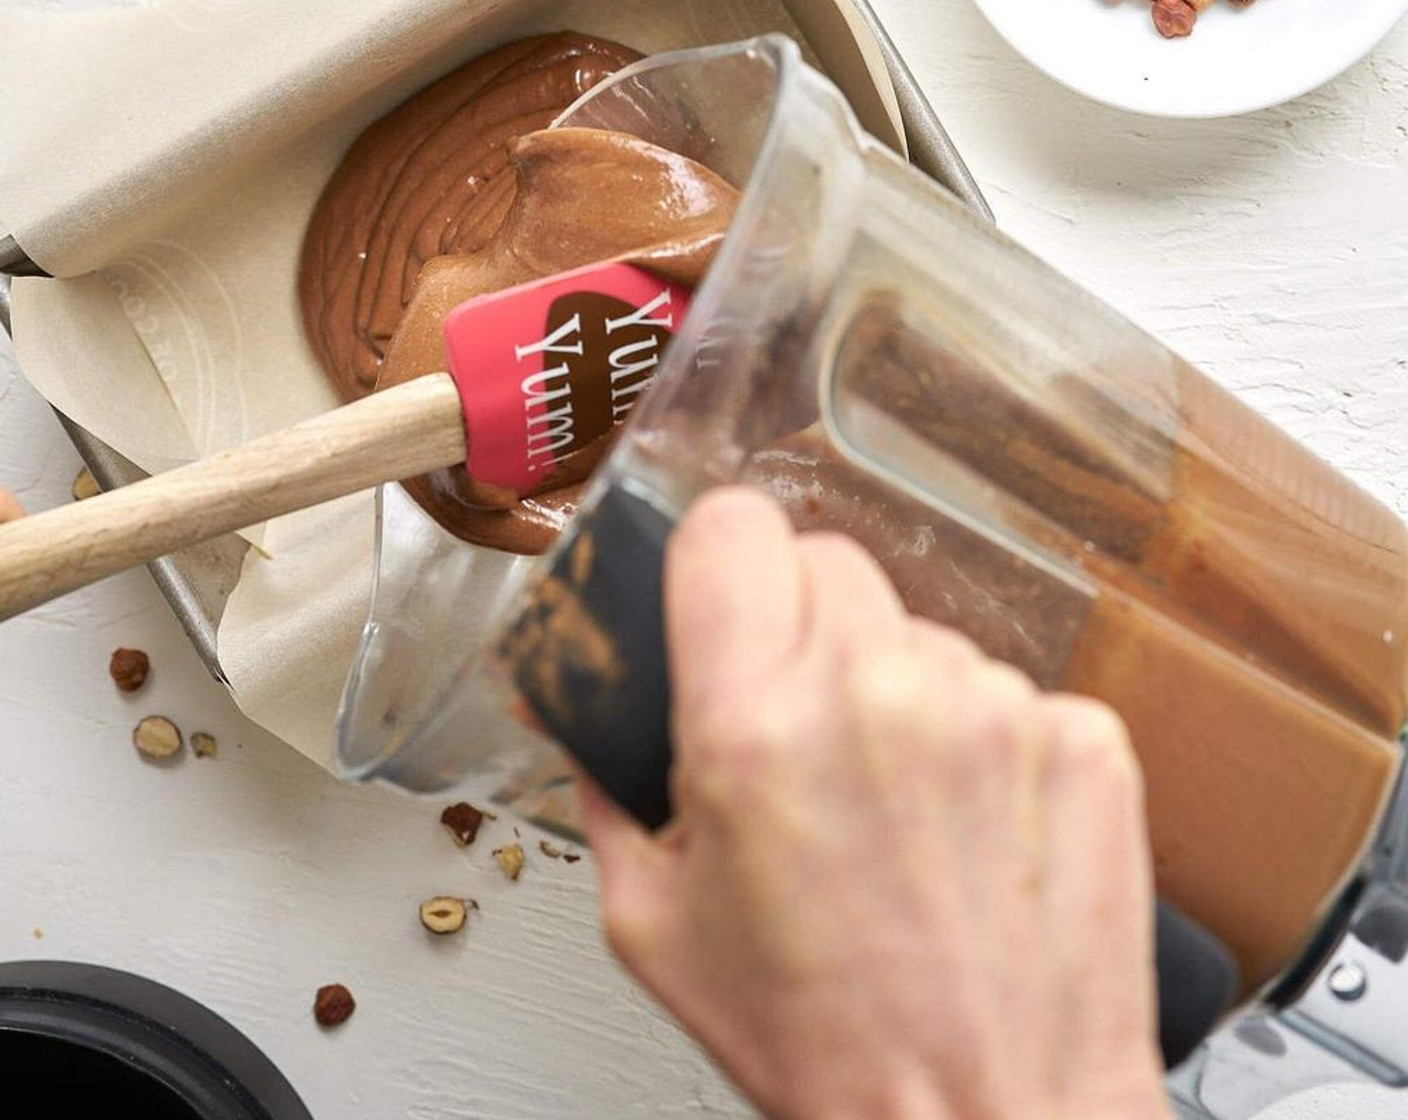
38 934
444 914
549 849
510 859
204 744
571 857
463 821
129 668
85 486
156 737
333 1005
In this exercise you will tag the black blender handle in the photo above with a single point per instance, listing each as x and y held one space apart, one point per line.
1197 982
616 724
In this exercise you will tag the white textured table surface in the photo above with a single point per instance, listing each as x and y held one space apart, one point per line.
1272 250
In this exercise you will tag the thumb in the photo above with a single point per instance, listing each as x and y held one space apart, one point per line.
623 848
10 508
635 870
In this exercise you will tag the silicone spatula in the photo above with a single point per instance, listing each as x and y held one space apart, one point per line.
538 375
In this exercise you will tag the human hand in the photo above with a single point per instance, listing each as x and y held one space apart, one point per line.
900 882
10 508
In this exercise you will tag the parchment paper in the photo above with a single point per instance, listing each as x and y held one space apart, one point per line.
163 160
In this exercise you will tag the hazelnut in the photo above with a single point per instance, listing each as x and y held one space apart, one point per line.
463 821
85 486
129 668
510 859
156 737
203 744
1174 18
445 915
549 849
333 1005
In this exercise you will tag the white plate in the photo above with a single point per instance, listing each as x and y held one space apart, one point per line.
1236 60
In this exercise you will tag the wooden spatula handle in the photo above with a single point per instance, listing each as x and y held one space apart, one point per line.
392 435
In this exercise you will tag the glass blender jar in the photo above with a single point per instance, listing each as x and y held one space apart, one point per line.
1031 469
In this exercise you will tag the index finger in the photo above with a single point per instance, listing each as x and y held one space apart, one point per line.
733 594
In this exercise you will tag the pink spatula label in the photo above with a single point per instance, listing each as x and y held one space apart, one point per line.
547 368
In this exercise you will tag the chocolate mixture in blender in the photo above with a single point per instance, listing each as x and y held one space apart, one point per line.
1244 610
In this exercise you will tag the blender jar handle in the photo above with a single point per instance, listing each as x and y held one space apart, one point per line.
617 727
